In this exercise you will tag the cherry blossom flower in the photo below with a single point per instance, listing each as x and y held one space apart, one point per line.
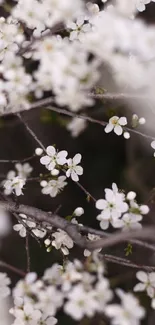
23 170
81 303
112 208
153 146
62 241
78 29
147 283
28 315
131 221
4 282
54 186
116 123
129 312
74 170
31 224
76 126
53 158
14 185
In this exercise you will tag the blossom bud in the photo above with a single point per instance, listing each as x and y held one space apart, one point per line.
78 212
126 135
38 151
43 183
144 209
55 172
47 242
131 195
142 121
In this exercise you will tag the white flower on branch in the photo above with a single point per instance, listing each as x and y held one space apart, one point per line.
111 208
116 124
4 283
62 241
54 186
23 170
76 126
53 158
27 315
40 233
78 29
129 312
14 185
147 283
74 170
81 303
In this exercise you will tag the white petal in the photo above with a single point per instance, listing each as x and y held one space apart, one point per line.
51 151
79 170
153 144
101 204
74 176
45 160
77 159
109 128
139 287
142 276
104 224
122 121
118 129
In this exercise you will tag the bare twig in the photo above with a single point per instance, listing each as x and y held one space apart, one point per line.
27 252
12 268
125 262
17 160
31 131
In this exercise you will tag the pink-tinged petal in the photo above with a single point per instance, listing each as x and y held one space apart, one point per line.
101 204
109 128
51 151
45 160
104 224
139 287
74 176
118 129
79 170
68 173
142 276
122 121
77 159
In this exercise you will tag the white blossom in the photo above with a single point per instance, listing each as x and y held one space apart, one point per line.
74 170
81 303
111 208
54 186
129 312
76 126
62 241
30 224
4 282
116 123
53 158
78 212
78 29
147 283
14 185
23 170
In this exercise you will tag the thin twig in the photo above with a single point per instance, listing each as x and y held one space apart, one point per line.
27 252
31 132
17 160
125 262
12 268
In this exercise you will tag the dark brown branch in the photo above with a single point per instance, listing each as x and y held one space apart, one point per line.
27 252
74 231
12 268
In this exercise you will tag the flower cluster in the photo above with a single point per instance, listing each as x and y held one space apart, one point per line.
55 160
16 180
119 210
25 223
4 283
